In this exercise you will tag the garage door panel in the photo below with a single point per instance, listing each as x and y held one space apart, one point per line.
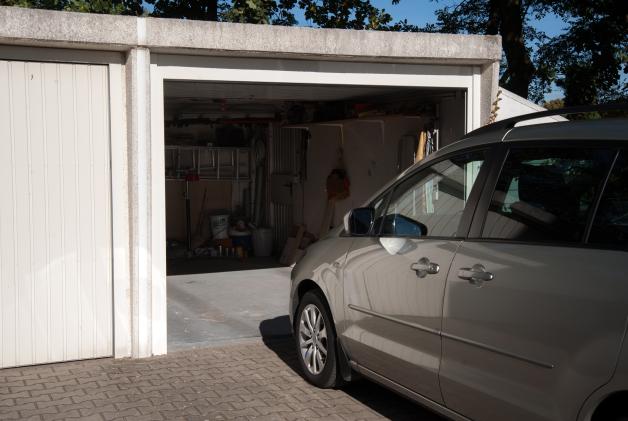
8 285
21 196
57 290
55 209
82 93
36 149
70 206
102 181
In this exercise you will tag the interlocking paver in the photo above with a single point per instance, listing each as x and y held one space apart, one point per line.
250 380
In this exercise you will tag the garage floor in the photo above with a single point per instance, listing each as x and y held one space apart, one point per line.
210 309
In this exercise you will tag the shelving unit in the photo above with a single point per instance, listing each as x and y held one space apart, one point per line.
209 163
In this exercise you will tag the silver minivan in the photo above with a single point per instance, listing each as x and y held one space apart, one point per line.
487 282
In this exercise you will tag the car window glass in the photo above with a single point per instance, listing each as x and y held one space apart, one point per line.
544 194
431 202
378 205
610 226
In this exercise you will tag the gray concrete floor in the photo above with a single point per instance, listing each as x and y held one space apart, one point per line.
183 266
215 308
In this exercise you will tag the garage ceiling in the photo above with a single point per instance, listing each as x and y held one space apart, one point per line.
276 92
184 99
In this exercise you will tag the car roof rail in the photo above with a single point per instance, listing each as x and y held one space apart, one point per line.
509 123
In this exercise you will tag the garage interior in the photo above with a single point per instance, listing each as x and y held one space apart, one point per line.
257 172
250 168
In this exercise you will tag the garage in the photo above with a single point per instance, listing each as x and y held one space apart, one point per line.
250 172
133 148
249 166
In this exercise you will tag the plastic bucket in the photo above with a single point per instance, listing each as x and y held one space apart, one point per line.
220 226
263 242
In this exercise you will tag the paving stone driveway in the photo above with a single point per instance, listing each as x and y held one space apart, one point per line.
248 380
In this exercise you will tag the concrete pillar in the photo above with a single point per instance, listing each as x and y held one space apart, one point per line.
140 203
490 85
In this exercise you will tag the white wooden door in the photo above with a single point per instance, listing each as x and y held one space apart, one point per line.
55 213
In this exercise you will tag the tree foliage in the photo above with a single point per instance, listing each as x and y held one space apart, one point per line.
185 9
113 7
508 18
346 14
586 60
260 11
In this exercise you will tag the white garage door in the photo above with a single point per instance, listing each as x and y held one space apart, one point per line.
55 213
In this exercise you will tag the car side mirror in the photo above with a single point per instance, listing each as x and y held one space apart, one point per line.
359 221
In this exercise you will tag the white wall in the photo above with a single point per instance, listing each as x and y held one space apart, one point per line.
452 126
370 160
512 105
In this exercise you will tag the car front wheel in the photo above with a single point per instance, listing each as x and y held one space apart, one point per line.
316 341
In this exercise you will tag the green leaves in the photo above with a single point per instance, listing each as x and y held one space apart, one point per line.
345 14
114 7
586 61
261 11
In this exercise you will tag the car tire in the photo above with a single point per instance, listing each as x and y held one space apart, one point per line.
315 340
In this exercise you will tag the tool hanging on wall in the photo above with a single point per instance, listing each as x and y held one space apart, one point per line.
338 188
200 222
191 177
428 143
420 150
260 171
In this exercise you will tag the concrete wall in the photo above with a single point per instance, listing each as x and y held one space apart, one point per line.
20 26
513 105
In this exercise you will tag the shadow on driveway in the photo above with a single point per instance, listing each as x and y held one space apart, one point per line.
277 337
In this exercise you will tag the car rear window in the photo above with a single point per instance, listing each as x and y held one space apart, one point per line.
545 194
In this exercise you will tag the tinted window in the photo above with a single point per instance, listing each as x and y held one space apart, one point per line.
610 226
431 202
544 195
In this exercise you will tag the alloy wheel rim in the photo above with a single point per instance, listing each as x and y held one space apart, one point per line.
313 339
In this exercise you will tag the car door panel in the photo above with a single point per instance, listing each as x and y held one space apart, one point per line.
394 314
394 282
534 340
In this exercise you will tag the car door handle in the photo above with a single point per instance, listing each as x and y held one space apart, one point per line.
424 267
475 275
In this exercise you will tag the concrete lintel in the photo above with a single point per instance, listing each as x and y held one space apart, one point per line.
32 27
29 27
300 42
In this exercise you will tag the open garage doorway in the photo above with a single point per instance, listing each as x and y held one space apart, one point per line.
255 172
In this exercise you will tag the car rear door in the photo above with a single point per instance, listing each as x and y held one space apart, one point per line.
394 279
534 312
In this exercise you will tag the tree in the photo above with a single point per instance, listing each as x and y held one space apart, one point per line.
508 18
346 14
113 7
589 58
586 61
261 11
186 9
